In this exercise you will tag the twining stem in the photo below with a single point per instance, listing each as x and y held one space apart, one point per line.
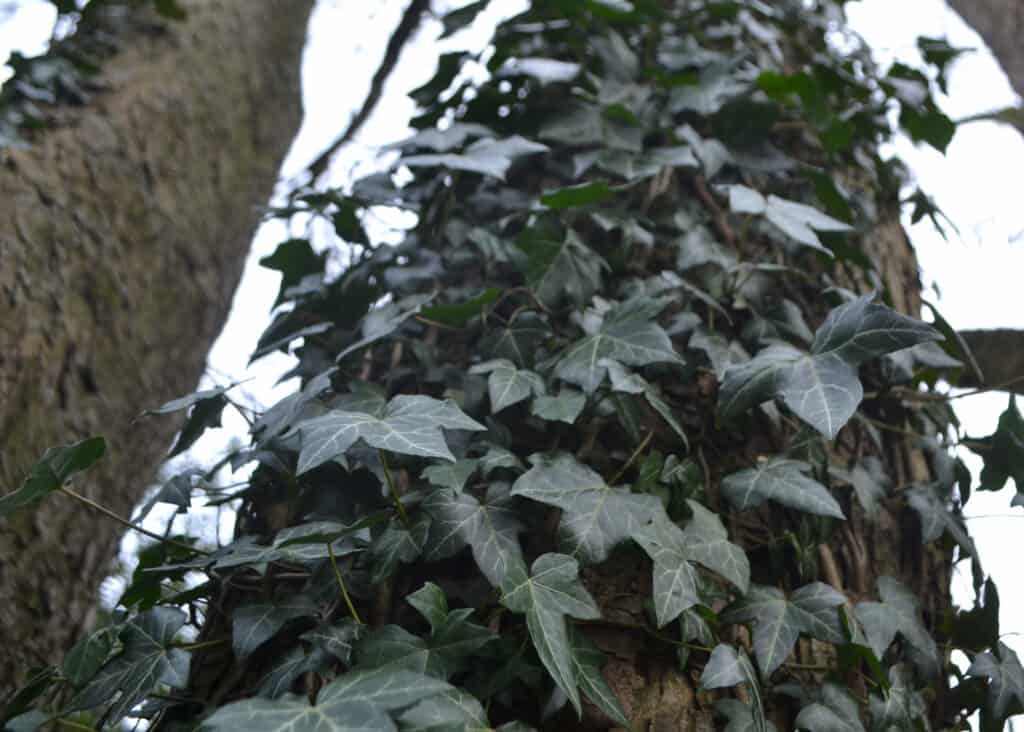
393 489
201 644
341 583
126 523
632 458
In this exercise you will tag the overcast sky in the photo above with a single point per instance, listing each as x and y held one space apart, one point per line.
977 183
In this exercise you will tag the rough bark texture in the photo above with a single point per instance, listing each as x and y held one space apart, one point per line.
123 234
1001 24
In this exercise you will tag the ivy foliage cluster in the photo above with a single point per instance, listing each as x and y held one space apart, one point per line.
631 375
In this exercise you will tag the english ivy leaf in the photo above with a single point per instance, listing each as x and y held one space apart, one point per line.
190 400
782 481
900 707
507 385
595 517
518 341
896 613
451 475
861 330
549 593
280 679
544 70
146 661
383 321
337 639
869 481
675 578
565 407
628 334
937 517
452 638
557 271
490 529
458 314
587 661
51 472
717 85
410 424
487 156
673 549
397 544
797 220
87 655
778 622
721 352
586 124
834 711
583 194
1004 453
253 625
294 259
705 541
722 669
1005 678
450 711
822 387
359 701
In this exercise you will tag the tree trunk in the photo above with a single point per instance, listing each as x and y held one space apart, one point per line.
123 234
1000 23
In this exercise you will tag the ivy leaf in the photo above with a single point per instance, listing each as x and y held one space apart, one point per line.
565 407
782 481
778 622
450 711
673 549
383 321
861 330
337 640
518 341
397 544
410 424
675 578
1005 678
51 472
557 271
869 481
900 707
722 669
458 314
508 385
705 541
583 194
487 156
896 613
822 387
451 475
145 662
797 220
356 702
1004 451
489 528
253 625
595 517
89 654
587 661
834 711
279 679
452 638
549 593
628 334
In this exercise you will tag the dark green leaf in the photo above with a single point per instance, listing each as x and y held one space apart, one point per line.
782 481
54 468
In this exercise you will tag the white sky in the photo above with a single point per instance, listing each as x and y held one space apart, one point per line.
977 184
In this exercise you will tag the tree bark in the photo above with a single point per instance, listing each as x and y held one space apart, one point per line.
1000 23
123 234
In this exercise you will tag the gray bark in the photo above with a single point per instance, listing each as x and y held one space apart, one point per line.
1001 24
123 232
